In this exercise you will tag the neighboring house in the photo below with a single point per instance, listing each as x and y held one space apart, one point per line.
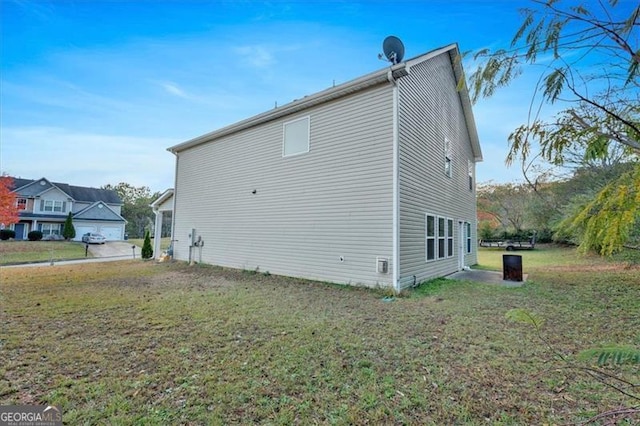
44 206
371 182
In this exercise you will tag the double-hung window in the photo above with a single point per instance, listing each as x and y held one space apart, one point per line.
430 234
467 235
53 206
21 203
438 237
50 228
449 237
442 229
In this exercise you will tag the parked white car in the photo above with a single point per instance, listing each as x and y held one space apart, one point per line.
93 238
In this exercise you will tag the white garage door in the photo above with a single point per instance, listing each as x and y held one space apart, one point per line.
111 233
81 230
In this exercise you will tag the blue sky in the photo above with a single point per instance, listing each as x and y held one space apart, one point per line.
93 92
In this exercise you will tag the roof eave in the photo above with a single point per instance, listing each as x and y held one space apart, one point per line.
369 80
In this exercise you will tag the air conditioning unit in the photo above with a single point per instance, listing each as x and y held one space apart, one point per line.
382 265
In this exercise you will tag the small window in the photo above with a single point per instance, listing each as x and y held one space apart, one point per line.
447 157
53 206
21 203
50 228
449 237
296 137
468 236
470 171
430 233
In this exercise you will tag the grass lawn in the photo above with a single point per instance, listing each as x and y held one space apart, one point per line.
146 343
39 251
164 243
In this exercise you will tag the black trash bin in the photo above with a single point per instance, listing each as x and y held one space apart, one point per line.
512 267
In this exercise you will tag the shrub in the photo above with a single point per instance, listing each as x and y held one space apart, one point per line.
34 236
147 251
5 234
69 231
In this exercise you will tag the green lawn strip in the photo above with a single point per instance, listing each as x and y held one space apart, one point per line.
541 257
139 342
164 242
16 252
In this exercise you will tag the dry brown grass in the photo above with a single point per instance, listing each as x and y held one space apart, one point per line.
140 342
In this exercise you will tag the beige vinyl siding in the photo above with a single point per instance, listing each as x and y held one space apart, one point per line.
430 110
308 210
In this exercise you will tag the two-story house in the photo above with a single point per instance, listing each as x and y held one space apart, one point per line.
371 182
44 206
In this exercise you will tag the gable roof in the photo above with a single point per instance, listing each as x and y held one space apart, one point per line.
385 75
164 197
77 193
98 211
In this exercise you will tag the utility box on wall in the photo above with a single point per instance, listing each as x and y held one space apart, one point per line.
382 264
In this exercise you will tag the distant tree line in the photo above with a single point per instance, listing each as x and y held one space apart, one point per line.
547 204
137 211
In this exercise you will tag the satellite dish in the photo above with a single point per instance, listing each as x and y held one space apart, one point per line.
393 49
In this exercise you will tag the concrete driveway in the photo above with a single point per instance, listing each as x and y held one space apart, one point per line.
114 249
107 252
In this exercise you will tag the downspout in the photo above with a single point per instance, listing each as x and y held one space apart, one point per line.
396 188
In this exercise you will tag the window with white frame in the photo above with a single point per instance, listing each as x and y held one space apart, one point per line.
442 229
53 206
470 172
467 234
21 203
430 234
50 228
439 237
449 237
447 157
296 137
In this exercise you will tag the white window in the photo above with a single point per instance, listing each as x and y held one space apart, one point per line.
467 235
442 229
447 157
449 237
50 228
53 206
470 171
430 233
439 237
296 137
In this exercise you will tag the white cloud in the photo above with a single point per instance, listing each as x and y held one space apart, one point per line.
86 159
256 56
173 89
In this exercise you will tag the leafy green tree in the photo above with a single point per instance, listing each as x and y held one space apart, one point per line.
147 251
136 207
589 59
69 231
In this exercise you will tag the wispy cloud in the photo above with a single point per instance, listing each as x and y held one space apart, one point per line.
256 56
173 89
87 159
